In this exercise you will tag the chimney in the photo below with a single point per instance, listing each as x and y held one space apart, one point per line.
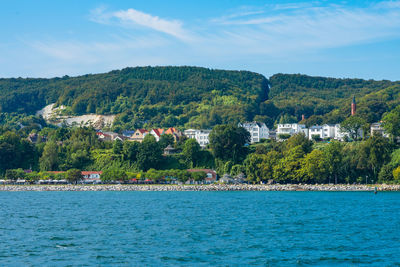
303 117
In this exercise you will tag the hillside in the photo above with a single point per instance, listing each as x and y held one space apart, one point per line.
198 97
328 99
164 96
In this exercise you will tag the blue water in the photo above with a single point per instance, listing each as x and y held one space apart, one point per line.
199 229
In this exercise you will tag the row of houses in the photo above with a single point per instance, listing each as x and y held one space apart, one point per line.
139 134
257 130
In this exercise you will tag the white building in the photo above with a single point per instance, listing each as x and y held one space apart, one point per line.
201 136
291 129
323 132
376 128
316 131
257 131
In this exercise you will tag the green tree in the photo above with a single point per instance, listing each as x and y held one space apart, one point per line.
117 147
299 140
49 160
150 153
114 174
391 122
166 140
237 169
74 176
15 174
191 152
377 150
227 142
314 168
253 167
333 158
354 125
130 150
199 176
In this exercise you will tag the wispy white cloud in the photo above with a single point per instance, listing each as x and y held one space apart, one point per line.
304 28
133 17
279 33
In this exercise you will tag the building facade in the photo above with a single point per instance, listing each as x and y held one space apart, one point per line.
257 131
201 136
291 129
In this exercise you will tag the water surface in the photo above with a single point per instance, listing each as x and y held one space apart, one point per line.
199 228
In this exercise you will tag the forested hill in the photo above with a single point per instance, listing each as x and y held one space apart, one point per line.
163 96
327 100
200 97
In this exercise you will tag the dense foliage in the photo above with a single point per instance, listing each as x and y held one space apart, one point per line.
295 160
161 96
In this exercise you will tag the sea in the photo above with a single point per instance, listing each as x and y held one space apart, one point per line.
199 229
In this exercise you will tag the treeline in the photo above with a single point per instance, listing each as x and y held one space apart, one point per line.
327 100
296 160
159 96
194 97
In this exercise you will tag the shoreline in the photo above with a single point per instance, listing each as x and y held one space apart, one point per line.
211 187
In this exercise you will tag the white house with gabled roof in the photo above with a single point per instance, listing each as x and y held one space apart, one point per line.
291 129
257 130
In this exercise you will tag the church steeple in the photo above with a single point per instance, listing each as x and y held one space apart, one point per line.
353 106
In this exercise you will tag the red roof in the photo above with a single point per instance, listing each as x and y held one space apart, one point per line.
142 131
171 130
158 132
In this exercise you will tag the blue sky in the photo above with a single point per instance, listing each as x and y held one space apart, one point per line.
47 38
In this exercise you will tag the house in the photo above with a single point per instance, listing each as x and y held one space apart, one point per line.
169 150
316 132
174 132
211 175
257 130
128 133
329 131
110 136
91 176
321 132
226 179
139 135
201 136
291 129
377 129
103 136
157 133
87 176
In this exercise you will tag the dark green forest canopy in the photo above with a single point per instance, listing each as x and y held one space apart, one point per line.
330 98
145 94
199 97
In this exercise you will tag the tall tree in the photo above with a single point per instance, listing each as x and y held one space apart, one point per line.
391 122
150 153
49 160
191 152
333 157
354 125
227 142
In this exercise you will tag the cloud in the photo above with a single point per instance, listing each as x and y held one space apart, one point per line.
303 27
133 17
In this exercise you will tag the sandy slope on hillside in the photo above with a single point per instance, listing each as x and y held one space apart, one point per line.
49 113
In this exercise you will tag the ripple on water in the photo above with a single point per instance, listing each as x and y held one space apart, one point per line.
199 228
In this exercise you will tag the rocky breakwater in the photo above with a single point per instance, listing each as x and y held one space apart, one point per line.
211 187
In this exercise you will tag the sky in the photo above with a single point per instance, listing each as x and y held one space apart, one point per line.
343 39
